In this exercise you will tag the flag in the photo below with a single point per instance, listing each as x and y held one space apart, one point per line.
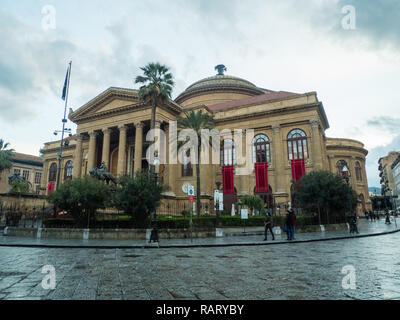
261 170
227 180
298 169
64 93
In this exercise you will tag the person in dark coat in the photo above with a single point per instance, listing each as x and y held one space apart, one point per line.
268 226
289 225
294 218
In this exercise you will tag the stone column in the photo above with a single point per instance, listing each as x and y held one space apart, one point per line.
106 147
352 168
157 134
121 150
92 150
316 145
138 147
278 159
76 173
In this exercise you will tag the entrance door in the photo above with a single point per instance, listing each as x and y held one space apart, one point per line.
229 200
114 162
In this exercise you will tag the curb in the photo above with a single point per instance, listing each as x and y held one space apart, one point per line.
244 244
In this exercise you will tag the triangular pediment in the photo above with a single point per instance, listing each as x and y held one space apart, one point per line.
113 99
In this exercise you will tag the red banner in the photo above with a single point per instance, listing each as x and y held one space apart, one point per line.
298 169
227 180
50 187
261 170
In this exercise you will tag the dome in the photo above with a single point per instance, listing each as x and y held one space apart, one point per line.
220 83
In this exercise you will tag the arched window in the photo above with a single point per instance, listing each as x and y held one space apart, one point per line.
339 166
297 145
358 172
53 172
228 153
261 149
68 170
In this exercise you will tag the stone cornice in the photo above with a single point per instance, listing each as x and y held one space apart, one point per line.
348 148
217 88
267 113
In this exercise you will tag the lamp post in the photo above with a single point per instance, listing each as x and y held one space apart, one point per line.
62 145
346 177
218 184
154 231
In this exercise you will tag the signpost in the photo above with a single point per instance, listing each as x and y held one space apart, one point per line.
245 216
191 200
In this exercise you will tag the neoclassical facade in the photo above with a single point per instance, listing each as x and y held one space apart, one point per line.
112 127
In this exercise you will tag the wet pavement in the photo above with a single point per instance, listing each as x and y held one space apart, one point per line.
309 270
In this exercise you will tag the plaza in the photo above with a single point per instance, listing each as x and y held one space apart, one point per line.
309 270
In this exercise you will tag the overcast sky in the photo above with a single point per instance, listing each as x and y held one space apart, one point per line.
297 46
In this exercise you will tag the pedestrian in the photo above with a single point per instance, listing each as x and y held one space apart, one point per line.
289 225
353 223
387 221
366 215
294 218
268 226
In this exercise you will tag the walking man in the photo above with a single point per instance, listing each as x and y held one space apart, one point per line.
268 226
289 225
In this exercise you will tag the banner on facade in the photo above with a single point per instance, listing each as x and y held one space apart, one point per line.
227 180
50 187
261 170
298 169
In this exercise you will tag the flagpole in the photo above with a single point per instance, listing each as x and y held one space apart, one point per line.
64 121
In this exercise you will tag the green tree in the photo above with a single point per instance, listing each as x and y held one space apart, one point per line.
197 121
5 156
156 89
253 202
325 192
139 197
82 197
19 186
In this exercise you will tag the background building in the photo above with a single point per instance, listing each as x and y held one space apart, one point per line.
112 127
395 167
385 172
28 166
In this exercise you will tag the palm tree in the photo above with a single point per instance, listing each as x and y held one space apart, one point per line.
197 121
5 156
156 88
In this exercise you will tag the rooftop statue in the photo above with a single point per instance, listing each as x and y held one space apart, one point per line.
221 69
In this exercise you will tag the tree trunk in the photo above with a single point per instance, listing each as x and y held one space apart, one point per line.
319 215
198 193
152 127
327 215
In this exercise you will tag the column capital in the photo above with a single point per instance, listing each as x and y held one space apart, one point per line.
78 137
122 127
106 131
314 123
158 124
93 133
138 125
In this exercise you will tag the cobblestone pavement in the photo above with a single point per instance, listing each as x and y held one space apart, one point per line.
286 271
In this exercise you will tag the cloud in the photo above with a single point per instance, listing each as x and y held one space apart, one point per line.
385 123
30 64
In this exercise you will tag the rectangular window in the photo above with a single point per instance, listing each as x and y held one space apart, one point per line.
38 177
25 174
17 171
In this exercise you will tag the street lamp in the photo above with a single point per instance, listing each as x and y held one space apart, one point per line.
154 231
346 176
218 184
